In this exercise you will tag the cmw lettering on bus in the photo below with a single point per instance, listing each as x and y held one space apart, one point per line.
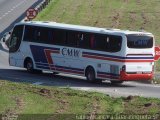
140 42
70 52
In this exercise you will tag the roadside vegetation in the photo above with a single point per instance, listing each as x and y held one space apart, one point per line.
31 102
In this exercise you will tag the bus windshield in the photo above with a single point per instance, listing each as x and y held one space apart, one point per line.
15 39
139 41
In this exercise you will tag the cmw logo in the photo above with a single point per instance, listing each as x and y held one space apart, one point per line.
70 52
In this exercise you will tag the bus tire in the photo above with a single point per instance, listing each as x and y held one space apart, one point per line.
30 67
90 74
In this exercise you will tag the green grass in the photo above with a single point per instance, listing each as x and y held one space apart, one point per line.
40 102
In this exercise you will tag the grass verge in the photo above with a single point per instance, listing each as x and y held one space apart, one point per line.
27 101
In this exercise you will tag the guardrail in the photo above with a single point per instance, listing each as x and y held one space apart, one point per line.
42 5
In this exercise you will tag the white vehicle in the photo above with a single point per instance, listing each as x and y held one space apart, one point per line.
97 53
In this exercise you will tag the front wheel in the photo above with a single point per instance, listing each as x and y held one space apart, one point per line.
30 67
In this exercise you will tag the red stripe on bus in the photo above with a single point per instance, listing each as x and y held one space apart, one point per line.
139 54
138 60
117 60
48 55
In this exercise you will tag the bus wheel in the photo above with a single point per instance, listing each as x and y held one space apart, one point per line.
29 66
90 74
116 82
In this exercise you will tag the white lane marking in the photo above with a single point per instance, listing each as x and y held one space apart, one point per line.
12 9
37 83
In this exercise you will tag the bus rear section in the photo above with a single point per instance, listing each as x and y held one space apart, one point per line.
139 60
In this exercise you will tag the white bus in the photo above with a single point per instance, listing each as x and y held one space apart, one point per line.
96 53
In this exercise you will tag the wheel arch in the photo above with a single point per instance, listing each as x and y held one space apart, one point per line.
25 61
90 66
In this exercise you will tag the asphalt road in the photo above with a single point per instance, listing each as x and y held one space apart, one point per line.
12 11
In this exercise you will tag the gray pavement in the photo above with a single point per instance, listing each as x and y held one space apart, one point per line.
13 11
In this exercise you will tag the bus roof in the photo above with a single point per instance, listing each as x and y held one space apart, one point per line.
81 28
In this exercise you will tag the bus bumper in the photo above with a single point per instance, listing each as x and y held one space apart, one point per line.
138 76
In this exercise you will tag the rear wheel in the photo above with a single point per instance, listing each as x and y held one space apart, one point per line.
90 75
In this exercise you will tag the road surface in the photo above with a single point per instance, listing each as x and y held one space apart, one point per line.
12 11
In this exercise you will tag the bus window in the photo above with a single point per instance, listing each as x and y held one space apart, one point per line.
50 36
59 37
100 42
108 43
72 38
42 35
84 39
16 38
114 43
92 41
139 41
80 39
29 33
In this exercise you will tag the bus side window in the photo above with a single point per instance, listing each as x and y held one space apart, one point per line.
29 33
107 43
36 35
100 43
72 39
85 40
92 42
79 39
43 36
59 37
50 37
114 43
